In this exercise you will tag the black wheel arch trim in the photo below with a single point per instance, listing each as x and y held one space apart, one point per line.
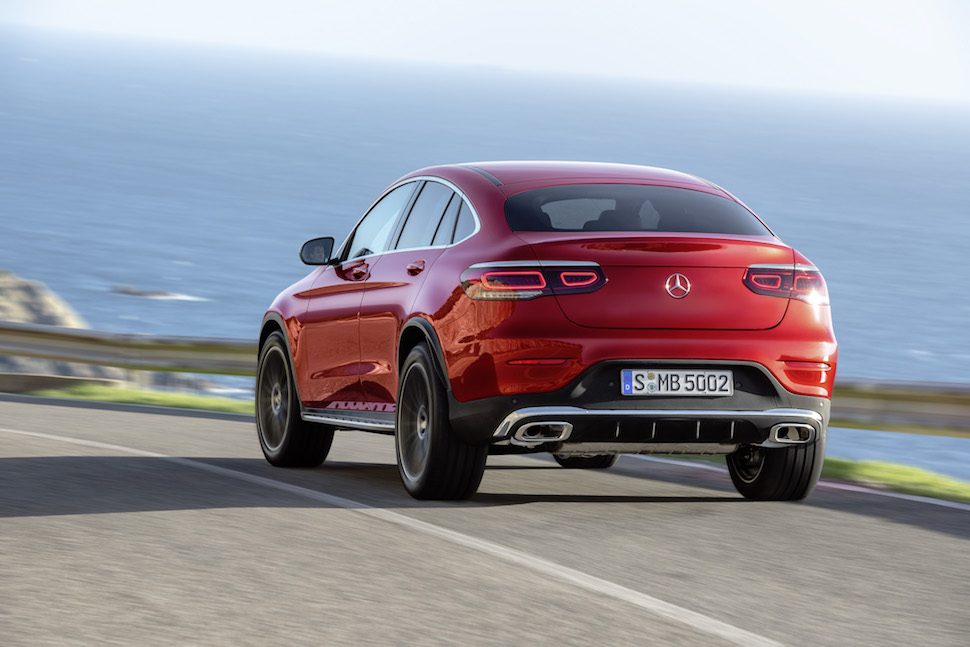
427 329
277 319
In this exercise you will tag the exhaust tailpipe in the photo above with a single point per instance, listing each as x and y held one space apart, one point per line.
549 431
792 433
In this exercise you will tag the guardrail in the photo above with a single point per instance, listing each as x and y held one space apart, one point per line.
132 351
238 357
898 403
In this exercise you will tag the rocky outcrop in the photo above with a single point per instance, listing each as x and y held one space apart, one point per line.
23 301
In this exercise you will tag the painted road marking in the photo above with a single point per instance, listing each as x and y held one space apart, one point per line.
693 619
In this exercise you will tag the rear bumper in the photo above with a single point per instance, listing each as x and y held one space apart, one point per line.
589 415
800 353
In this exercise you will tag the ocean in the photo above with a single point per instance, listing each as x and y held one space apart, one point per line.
166 188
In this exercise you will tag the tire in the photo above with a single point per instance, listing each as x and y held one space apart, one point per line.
286 440
782 474
600 462
433 462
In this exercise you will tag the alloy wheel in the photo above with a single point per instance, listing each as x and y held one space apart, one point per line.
748 463
273 398
414 426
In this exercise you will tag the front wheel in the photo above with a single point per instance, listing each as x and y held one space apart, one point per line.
777 474
433 462
286 440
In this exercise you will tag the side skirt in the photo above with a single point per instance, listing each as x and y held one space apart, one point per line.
378 421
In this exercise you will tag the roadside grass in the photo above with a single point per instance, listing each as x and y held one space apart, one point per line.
889 476
901 393
878 474
123 395
898 478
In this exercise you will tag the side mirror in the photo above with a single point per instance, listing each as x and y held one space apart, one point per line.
316 251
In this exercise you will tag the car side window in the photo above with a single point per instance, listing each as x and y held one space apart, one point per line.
373 234
466 223
446 228
419 228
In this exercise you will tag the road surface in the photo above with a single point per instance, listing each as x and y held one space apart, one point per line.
120 527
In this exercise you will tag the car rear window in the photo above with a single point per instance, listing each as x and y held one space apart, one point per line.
629 208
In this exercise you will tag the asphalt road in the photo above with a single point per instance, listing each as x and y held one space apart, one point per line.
119 527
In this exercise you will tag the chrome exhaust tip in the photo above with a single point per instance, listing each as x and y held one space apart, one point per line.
792 433
547 431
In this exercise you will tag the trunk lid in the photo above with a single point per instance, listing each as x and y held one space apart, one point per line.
708 294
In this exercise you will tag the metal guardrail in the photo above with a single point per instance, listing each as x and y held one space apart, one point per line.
933 405
131 351
236 356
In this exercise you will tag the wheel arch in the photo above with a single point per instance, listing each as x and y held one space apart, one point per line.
273 322
419 330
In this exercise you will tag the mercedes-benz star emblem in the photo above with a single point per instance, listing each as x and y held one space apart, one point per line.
678 286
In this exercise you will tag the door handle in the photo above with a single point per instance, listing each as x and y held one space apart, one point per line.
415 268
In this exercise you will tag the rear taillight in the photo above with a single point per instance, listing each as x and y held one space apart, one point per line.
526 280
513 280
802 282
575 279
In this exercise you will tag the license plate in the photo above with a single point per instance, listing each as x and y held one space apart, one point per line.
652 381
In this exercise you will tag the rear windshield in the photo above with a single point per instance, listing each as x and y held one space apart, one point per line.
629 208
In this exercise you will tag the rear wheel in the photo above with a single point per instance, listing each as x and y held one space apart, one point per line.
777 474
600 462
433 462
286 440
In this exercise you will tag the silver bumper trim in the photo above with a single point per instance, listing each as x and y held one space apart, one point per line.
776 416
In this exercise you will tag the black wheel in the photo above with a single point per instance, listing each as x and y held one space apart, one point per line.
599 462
777 474
286 440
432 461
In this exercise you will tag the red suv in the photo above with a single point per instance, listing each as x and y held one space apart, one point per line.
586 310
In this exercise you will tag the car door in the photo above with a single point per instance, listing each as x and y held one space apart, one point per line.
331 335
394 285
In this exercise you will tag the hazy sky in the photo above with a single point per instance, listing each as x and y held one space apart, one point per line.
916 49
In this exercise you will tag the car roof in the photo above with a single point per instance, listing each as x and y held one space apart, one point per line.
511 177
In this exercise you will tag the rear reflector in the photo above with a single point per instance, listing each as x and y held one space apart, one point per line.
506 280
803 282
813 373
537 362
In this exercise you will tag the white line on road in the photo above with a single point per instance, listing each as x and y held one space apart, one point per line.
693 619
832 485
